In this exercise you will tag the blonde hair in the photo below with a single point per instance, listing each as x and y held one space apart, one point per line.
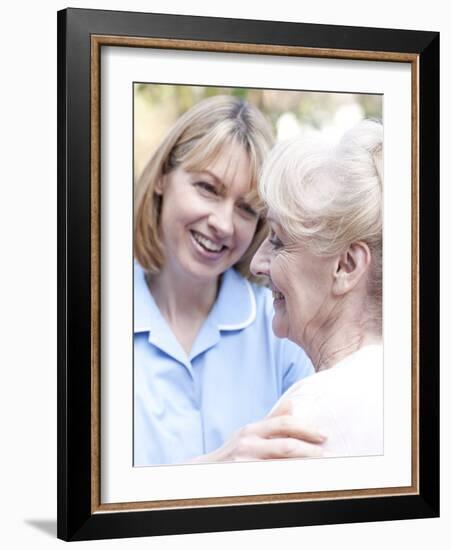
328 197
195 141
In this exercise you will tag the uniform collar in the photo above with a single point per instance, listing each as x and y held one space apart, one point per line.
234 309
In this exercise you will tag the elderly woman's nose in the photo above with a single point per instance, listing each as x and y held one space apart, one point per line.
260 262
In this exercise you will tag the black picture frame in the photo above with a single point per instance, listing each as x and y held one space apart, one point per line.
79 517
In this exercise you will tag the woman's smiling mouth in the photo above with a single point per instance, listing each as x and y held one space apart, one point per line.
206 244
276 294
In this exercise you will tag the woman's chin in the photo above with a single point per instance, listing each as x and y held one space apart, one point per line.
197 268
279 328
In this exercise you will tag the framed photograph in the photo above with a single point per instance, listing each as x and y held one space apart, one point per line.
196 155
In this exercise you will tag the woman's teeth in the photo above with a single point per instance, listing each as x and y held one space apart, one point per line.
277 295
210 246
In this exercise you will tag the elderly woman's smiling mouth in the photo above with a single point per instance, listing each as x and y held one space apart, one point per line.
276 294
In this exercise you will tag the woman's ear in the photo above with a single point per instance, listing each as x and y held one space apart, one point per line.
351 267
159 186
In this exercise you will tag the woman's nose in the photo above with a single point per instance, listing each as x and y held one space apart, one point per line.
221 220
260 262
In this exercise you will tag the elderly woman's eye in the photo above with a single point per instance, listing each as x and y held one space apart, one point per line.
274 240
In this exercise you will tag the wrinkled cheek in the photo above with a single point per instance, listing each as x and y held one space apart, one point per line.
280 274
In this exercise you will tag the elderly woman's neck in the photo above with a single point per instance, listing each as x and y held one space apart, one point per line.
342 337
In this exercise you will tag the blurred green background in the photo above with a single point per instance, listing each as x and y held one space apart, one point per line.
157 107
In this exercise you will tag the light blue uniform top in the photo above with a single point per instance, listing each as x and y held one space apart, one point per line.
186 406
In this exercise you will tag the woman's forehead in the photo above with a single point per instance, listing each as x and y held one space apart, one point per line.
216 157
272 218
229 165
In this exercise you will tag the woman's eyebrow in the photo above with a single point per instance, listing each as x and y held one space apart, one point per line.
216 179
251 197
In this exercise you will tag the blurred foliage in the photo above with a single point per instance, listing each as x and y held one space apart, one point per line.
157 107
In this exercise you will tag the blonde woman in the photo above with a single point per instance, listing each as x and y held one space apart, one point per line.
323 260
206 364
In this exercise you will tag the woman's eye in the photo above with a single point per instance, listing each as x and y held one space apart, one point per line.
207 187
247 208
274 240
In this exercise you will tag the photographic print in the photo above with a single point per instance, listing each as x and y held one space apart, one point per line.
213 381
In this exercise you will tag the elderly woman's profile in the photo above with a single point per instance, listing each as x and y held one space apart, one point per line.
323 261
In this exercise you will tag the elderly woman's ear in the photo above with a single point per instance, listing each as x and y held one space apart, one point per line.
351 268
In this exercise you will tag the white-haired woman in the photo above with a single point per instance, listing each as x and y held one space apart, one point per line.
323 258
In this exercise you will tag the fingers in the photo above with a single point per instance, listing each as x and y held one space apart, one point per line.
272 438
255 448
284 426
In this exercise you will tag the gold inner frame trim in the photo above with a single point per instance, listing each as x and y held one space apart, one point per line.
97 41
231 47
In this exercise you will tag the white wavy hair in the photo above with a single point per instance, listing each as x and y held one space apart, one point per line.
327 197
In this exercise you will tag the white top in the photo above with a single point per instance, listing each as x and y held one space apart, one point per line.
345 403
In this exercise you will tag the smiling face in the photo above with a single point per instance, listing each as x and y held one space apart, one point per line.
301 283
208 218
